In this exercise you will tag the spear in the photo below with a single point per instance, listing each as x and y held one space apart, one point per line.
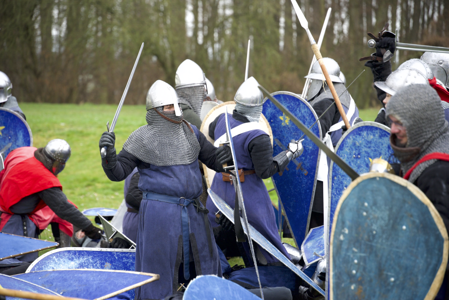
304 24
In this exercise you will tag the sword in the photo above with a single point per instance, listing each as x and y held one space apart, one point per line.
320 41
247 59
413 47
340 162
119 108
303 21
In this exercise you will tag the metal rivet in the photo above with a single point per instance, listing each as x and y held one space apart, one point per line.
364 213
366 204
404 228
391 279
352 286
353 272
355 261
374 231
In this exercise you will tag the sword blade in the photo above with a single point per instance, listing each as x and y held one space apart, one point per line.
334 157
119 108
424 48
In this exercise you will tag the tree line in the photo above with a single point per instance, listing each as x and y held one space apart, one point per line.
78 51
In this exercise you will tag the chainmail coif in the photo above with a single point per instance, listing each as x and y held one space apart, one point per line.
162 142
419 109
252 113
192 96
325 93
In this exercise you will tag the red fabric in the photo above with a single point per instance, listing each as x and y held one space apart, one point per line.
435 155
43 217
441 90
24 175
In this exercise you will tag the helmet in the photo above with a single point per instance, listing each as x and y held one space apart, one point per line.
342 77
5 87
418 65
316 74
249 94
189 74
399 79
210 91
161 94
59 152
439 63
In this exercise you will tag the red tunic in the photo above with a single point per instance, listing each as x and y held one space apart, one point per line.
23 176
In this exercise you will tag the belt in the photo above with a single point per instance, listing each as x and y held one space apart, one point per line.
132 210
242 173
183 202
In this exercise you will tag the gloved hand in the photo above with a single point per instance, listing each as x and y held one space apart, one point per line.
225 223
119 243
223 154
108 140
93 232
295 149
385 46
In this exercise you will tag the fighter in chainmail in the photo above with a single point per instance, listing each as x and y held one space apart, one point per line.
420 140
191 89
7 100
174 237
254 154
320 97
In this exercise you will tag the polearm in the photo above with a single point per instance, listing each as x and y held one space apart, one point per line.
413 47
320 41
119 108
247 59
316 51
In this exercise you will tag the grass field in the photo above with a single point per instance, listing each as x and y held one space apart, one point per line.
83 179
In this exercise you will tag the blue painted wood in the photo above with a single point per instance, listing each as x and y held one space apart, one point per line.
106 212
296 185
360 143
213 287
262 241
16 245
313 243
87 284
8 282
14 130
85 258
385 245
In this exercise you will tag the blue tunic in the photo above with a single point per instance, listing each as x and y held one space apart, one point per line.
258 204
159 238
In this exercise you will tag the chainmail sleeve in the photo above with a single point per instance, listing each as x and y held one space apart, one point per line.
261 153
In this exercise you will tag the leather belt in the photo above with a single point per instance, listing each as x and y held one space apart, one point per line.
132 210
242 173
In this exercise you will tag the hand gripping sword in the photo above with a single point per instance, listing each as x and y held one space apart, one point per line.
316 51
119 108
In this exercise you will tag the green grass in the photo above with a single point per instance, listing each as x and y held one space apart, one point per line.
83 179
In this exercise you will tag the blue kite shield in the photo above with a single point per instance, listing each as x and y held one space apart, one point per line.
85 258
112 232
90 284
213 287
262 241
312 248
388 242
14 130
8 282
296 185
362 142
16 245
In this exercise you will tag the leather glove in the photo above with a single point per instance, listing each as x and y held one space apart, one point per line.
93 232
295 149
385 46
223 154
225 223
119 243
108 140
